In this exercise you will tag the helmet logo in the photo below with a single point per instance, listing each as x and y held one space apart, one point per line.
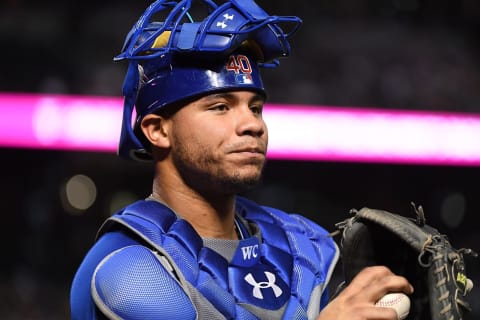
240 65
222 23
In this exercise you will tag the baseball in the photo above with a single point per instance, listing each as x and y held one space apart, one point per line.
398 301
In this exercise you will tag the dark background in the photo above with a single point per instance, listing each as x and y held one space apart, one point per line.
387 54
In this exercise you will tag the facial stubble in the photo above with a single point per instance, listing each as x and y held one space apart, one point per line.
201 171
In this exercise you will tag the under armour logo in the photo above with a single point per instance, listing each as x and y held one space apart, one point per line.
226 17
257 286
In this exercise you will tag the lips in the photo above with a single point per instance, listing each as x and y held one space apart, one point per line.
254 148
250 150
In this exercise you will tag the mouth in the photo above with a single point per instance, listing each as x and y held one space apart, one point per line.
249 155
253 150
249 151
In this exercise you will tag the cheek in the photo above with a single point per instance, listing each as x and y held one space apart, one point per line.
198 136
210 133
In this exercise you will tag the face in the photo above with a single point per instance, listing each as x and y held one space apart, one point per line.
219 142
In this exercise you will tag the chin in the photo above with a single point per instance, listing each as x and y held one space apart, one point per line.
239 184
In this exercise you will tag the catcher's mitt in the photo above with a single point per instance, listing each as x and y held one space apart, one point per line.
413 249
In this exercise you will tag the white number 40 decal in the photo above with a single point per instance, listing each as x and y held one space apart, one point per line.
237 63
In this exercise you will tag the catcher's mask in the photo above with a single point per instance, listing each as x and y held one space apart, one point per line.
180 59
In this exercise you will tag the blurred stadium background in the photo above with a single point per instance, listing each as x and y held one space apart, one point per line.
387 54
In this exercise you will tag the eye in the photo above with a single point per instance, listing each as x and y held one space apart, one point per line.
218 107
257 108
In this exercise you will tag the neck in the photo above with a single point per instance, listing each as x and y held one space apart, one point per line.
211 216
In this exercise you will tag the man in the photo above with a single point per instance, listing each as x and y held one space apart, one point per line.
194 249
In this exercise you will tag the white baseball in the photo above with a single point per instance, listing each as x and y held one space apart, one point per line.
397 301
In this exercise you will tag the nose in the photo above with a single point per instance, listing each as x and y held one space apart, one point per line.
250 123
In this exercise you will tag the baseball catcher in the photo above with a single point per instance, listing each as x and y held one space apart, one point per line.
409 247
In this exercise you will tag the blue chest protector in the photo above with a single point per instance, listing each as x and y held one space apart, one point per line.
281 272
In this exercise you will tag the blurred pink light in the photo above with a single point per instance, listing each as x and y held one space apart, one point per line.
60 122
372 135
296 132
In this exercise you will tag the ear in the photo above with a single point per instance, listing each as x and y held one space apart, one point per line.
155 129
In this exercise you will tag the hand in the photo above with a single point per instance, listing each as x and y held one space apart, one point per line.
357 300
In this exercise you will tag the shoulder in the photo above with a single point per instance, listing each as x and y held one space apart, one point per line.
81 303
135 280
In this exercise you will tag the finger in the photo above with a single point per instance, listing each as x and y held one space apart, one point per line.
380 313
388 284
368 275
375 282
355 309
360 312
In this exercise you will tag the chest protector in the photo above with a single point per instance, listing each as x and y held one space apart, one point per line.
281 272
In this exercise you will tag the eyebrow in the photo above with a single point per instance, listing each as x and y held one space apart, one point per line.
230 96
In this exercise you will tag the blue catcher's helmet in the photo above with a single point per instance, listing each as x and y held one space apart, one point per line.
179 59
